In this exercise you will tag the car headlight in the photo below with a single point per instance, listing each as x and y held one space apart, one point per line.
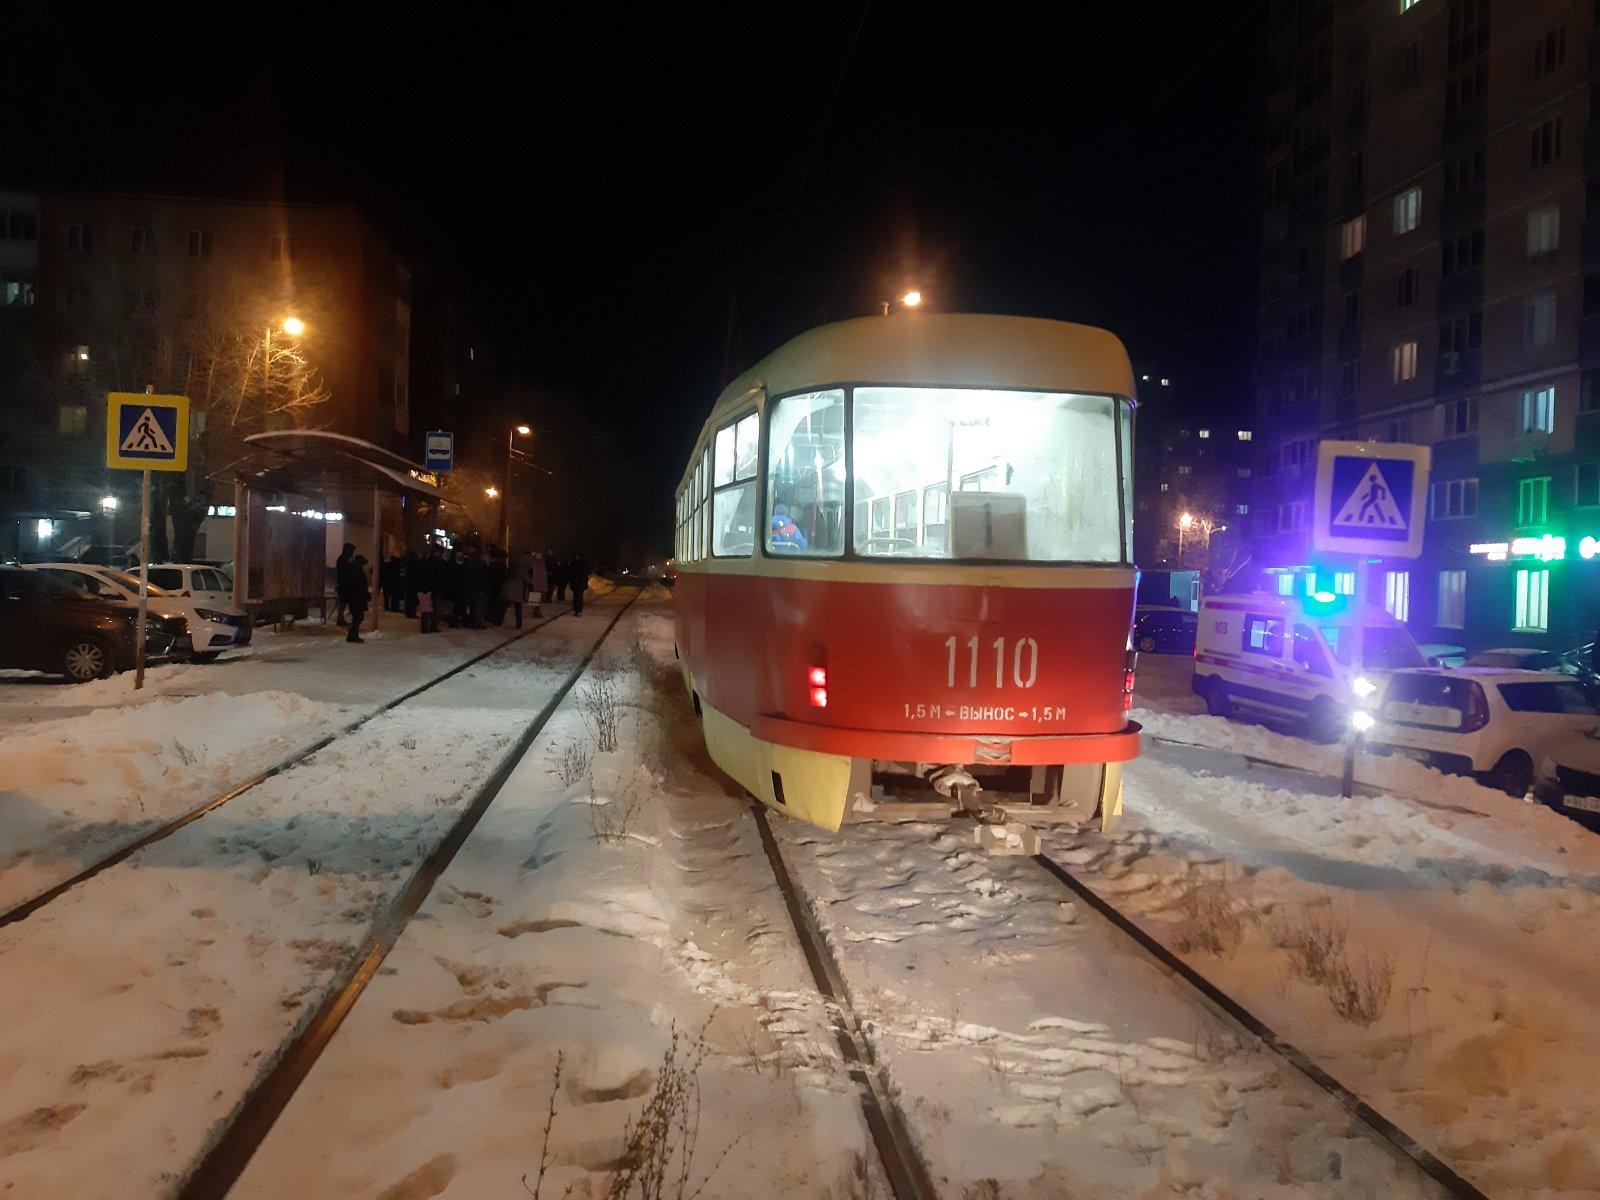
209 614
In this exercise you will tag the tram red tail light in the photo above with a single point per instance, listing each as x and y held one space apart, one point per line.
817 683
1128 675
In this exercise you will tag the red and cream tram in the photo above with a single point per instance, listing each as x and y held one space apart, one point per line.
904 558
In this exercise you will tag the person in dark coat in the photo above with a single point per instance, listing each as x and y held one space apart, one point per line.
558 578
452 587
341 567
354 592
409 586
577 571
495 566
474 583
391 580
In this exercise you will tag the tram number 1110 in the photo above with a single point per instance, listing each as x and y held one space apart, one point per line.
1023 660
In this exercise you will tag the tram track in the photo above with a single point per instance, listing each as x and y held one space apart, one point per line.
1379 1125
903 1166
244 1129
166 829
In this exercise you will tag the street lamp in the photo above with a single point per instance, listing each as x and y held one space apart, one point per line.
491 491
1185 523
294 327
908 299
521 429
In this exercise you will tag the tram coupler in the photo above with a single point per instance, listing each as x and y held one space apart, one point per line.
992 833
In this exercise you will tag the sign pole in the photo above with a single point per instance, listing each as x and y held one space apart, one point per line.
1358 664
144 581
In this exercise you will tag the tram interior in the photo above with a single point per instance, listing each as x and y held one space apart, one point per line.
948 474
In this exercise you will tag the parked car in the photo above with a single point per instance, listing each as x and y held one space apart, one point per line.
212 627
1493 722
1164 630
211 585
1569 777
52 626
1521 658
1275 655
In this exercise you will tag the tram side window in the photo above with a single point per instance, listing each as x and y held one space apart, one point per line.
805 475
733 499
974 473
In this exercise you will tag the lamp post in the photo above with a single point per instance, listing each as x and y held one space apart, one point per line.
512 434
1185 523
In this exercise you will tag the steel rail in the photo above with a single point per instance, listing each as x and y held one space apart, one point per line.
1412 1149
163 831
243 1131
907 1173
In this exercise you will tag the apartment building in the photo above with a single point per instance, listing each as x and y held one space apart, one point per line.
106 291
1431 274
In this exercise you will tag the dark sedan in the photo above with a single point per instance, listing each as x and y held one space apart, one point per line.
49 626
1165 631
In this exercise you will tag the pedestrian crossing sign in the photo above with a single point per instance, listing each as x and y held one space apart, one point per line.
146 432
1371 498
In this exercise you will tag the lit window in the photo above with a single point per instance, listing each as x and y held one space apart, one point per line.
1407 5
1539 411
1344 583
1452 606
1533 600
1403 361
1544 230
1533 500
805 478
1397 594
733 503
1408 210
1205 433
1285 585
1028 476
1242 509
1353 237
1244 435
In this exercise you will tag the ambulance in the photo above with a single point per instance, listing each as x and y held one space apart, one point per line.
1288 658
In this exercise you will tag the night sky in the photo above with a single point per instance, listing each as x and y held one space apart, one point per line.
611 184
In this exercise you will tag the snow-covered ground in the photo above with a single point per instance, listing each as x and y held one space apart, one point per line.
613 918
92 767
141 1005
593 918
1470 919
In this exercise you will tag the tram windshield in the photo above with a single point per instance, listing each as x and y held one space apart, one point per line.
949 473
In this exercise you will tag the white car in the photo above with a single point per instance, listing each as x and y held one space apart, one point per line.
1569 778
1494 722
212 586
213 627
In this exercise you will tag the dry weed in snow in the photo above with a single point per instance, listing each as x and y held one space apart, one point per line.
601 706
1214 913
1357 987
659 1144
572 761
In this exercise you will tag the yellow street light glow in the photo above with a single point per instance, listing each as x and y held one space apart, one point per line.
491 491
912 298
294 326
524 430
1186 520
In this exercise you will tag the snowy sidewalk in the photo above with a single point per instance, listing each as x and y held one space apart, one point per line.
92 767
141 1005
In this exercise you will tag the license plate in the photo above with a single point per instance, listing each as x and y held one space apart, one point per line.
1585 803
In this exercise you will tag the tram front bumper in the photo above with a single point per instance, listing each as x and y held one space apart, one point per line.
1050 749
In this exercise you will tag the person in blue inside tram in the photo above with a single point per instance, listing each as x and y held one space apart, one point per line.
784 531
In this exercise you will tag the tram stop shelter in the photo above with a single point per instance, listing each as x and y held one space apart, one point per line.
299 495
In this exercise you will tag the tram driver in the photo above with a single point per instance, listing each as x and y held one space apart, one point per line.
784 533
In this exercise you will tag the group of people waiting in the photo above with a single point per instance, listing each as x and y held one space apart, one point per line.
477 586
